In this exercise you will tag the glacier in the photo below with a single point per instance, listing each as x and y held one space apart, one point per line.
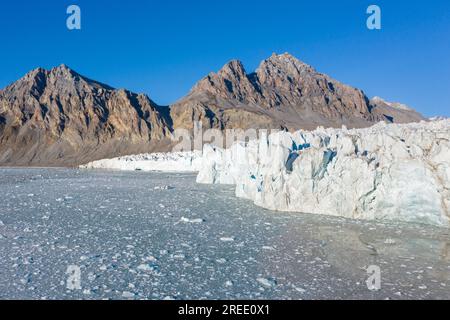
386 172
164 162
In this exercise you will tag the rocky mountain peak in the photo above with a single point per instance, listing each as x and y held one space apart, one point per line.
63 72
32 83
58 116
286 60
52 112
279 80
230 82
283 64
35 73
291 92
68 81
60 80
232 70
63 68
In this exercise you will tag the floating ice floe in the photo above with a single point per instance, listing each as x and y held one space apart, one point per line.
163 188
187 220
385 172
267 282
128 295
227 239
151 268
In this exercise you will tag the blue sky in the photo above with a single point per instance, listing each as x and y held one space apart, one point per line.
163 47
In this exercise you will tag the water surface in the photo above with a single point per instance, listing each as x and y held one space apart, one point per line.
137 235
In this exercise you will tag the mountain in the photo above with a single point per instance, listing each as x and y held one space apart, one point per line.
283 92
59 117
394 111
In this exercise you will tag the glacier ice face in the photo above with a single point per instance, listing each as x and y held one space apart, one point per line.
166 162
396 172
388 171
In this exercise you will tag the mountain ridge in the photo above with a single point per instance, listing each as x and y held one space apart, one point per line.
288 91
60 117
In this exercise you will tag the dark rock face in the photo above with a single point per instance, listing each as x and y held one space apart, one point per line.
59 117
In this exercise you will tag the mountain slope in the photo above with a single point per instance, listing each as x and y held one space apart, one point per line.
283 92
59 117
395 112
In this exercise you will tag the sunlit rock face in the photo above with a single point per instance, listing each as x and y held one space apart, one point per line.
59 117
397 172
283 92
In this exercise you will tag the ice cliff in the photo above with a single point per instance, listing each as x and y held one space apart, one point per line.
388 171
167 162
397 172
